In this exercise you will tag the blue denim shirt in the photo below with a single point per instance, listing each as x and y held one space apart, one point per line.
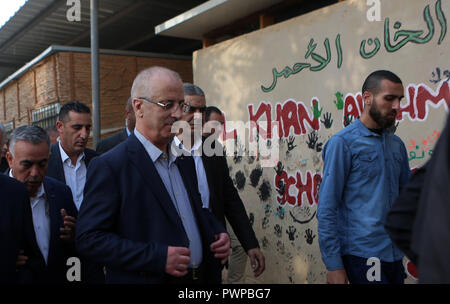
363 173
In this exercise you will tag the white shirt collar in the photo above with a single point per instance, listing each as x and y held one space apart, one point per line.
65 157
196 148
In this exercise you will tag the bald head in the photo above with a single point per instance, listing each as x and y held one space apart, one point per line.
143 83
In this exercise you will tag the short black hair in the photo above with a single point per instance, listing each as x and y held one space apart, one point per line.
209 110
75 106
373 81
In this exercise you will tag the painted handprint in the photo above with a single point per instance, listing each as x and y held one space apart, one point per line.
281 187
279 169
317 113
348 119
278 230
328 122
291 232
312 140
340 102
309 236
290 143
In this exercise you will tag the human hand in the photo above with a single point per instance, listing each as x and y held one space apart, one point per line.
178 259
68 231
21 259
337 277
221 247
257 261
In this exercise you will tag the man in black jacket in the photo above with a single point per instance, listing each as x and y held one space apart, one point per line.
419 222
70 157
215 185
53 210
69 160
110 142
16 233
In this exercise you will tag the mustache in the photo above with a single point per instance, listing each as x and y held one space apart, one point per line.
33 180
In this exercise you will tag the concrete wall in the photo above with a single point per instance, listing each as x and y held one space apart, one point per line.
306 74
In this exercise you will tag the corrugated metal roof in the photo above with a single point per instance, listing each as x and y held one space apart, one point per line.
123 24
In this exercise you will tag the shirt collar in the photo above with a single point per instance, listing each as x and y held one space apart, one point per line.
364 130
195 148
65 157
154 152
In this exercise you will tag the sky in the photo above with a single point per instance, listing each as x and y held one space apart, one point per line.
8 8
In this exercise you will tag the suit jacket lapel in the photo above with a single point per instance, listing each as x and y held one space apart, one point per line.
208 164
59 169
144 165
55 220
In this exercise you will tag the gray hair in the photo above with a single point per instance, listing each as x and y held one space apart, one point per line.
30 134
2 135
191 89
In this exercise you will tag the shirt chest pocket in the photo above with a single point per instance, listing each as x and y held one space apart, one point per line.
397 157
367 164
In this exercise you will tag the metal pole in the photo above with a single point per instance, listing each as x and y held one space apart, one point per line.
95 71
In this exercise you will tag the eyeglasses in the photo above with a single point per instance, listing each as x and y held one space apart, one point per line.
169 105
187 108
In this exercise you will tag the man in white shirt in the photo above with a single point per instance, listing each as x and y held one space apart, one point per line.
53 210
216 188
70 157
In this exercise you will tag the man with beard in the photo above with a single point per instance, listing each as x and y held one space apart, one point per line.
365 165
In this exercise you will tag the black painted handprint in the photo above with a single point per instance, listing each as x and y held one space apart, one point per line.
278 230
328 122
290 143
291 232
312 140
265 222
239 151
348 119
309 236
281 187
279 169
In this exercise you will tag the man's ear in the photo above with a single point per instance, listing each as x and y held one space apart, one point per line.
138 107
9 158
367 98
59 126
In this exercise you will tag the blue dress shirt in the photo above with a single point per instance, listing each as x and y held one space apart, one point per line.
170 175
363 173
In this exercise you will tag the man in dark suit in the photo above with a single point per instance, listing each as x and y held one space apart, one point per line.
142 215
418 222
70 157
110 142
3 139
52 208
216 187
16 233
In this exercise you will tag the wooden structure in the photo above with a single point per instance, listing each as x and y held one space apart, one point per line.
63 76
